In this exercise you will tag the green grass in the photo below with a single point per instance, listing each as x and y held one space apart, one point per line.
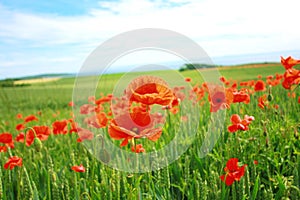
273 140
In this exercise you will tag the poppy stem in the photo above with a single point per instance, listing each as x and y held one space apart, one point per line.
9 152
133 143
169 117
295 88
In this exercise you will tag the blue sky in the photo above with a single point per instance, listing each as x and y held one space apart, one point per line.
57 36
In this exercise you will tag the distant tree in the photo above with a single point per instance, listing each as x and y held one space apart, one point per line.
7 83
10 83
193 66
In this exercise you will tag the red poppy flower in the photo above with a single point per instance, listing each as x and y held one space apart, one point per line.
84 134
289 62
273 82
71 104
13 162
19 116
279 76
41 132
98 121
104 99
149 90
259 86
199 91
233 172
30 118
60 127
239 124
262 101
134 125
291 77
20 127
6 138
138 148
255 162
74 126
251 83
223 79
3 149
188 79
299 99
219 97
79 168
87 108
20 137
241 96
234 85
174 110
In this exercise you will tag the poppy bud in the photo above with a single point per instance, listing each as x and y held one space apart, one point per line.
265 133
270 97
37 144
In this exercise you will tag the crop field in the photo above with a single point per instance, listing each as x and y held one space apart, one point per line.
55 136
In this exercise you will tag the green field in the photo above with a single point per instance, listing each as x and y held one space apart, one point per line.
56 95
272 140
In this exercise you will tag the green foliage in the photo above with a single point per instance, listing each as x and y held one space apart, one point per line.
7 83
10 83
193 66
272 140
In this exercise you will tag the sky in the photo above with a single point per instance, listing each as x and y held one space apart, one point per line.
57 36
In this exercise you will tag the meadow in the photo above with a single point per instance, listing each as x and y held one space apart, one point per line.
261 155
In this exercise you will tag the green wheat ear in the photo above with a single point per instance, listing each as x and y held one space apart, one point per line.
35 191
28 191
65 189
55 191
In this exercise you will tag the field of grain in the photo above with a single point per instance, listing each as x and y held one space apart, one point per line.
258 158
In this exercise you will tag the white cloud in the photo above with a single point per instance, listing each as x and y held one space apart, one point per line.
220 27
196 19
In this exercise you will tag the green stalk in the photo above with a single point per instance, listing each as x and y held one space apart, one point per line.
19 183
255 189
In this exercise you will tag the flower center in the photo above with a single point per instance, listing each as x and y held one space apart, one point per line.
135 129
219 100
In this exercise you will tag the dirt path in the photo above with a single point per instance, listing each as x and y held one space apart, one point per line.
242 66
36 80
